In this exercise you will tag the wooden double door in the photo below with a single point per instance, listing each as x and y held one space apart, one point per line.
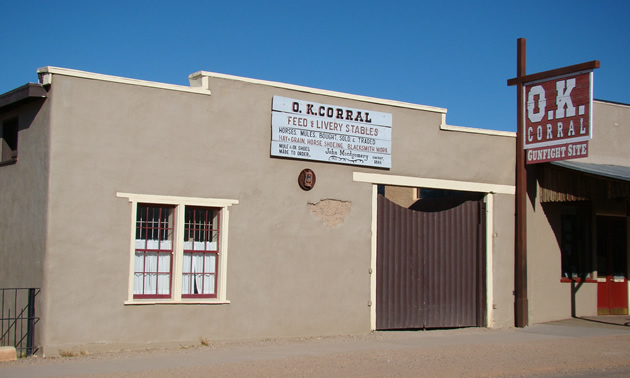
431 264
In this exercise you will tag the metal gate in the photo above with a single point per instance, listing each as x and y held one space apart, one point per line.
17 319
431 264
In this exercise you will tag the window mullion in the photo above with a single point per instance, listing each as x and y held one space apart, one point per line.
132 247
178 251
222 248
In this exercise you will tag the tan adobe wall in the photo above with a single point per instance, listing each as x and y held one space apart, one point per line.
550 299
291 271
611 132
23 200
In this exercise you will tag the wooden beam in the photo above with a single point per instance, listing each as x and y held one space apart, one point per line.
521 306
553 73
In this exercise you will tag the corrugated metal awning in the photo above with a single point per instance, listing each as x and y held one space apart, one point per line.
576 181
604 170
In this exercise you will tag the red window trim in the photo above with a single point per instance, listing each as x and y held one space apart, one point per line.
216 267
216 253
151 296
170 277
159 251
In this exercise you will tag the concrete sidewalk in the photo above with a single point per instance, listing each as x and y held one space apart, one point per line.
583 344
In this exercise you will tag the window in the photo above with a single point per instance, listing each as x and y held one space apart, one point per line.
153 252
575 243
179 249
9 141
201 237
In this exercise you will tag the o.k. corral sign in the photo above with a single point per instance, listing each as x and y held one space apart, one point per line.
320 132
558 117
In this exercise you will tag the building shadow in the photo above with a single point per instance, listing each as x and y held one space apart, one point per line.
615 320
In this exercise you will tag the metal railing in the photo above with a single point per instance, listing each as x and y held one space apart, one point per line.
17 321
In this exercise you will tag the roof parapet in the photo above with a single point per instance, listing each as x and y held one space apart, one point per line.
46 74
202 79
199 79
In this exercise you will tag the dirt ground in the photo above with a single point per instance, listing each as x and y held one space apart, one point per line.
560 351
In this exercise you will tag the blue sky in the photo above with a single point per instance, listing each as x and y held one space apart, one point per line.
451 54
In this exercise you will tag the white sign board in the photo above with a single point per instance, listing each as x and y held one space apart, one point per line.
320 132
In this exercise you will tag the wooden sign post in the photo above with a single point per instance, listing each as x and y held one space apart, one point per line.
521 306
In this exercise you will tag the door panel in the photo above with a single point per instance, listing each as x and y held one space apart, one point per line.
612 277
430 265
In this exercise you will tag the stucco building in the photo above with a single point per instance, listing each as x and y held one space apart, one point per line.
234 208
578 225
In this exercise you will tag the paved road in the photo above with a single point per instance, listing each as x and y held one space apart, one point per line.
571 348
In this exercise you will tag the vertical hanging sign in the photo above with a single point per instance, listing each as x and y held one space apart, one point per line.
558 117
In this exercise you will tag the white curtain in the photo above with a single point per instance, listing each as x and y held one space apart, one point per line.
200 246
198 272
156 276
186 270
154 244
164 276
138 276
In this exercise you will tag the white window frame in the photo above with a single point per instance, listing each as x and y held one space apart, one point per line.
178 248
